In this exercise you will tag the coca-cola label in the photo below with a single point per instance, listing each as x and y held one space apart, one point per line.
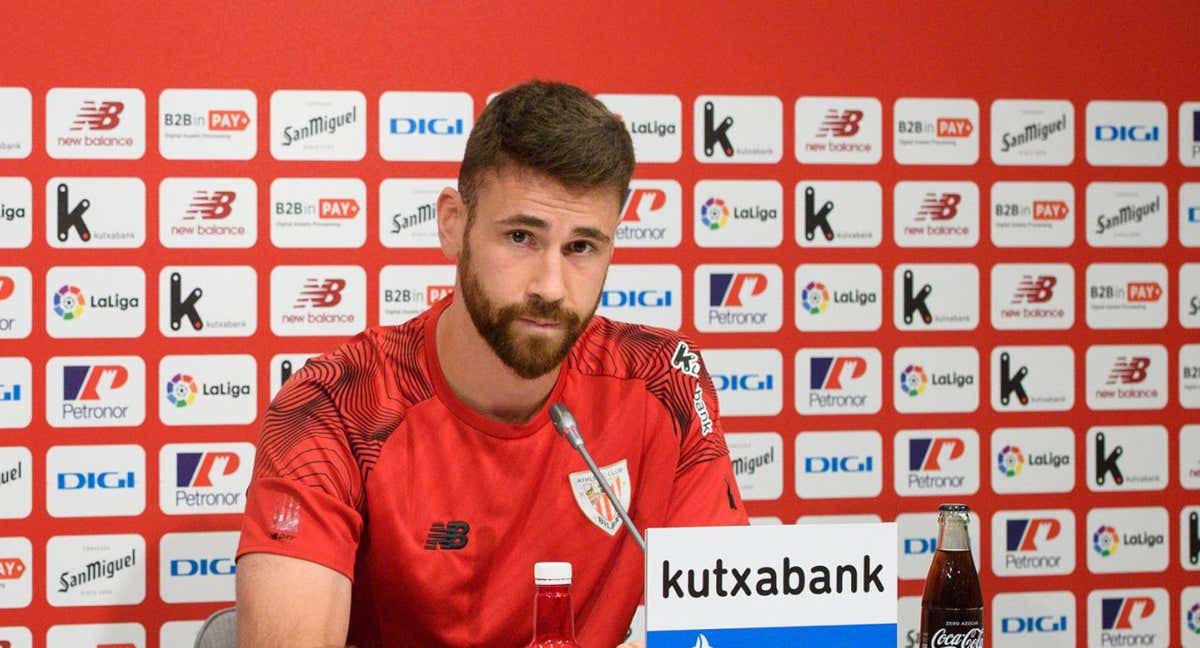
968 638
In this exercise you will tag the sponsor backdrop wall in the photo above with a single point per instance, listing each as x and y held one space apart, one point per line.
932 253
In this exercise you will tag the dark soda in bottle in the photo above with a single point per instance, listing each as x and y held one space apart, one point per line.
553 617
952 605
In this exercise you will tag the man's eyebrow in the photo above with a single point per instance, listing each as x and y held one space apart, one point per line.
534 222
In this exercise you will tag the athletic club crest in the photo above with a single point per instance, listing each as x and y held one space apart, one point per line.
592 500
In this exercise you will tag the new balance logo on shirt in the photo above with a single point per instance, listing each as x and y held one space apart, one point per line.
447 535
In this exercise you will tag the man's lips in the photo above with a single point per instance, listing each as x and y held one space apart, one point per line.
542 324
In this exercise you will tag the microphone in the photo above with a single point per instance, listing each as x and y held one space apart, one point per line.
564 422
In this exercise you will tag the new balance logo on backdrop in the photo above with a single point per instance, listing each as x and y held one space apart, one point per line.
321 293
99 116
1128 371
935 206
840 123
210 205
1035 289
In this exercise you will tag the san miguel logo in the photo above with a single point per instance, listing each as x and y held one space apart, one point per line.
592 501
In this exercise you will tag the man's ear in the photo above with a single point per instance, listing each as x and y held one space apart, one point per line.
452 222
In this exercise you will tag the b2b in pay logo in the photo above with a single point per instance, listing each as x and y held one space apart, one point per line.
1033 214
318 212
406 291
935 131
1126 295
207 124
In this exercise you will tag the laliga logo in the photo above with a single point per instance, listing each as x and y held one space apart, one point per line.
1193 619
840 123
68 302
100 117
181 390
714 214
1011 461
814 298
1105 541
913 380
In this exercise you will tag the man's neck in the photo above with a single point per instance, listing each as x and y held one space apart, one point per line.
478 378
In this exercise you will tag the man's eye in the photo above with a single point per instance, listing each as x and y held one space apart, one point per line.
519 237
581 247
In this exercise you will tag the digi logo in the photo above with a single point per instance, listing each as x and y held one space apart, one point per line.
1035 289
642 201
68 302
726 290
1128 371
181 390
1010 460
938 207
840 123
1122 613
318 293
102 116
210 205
925 454
828 372
1104 542
84 382
197 469
1024 534
913 380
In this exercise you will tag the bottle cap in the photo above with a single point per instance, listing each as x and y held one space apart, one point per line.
954 508
552 573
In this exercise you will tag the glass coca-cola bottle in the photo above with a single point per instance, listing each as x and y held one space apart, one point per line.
553 618
952 606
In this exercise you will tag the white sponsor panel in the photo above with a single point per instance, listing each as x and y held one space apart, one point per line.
1032 214
1127 540
839 297
1033 132
1033 460
1126 376
95 213
16 212
1033 378
1128 617
208 212
1189 153
207 124
839 464
425 126
1189 616
17 637
1189 211
96 391
283 365
854 518
406 291
1189 295
936 296
116 635
1126 133
207 389
16 574
95 302
95 481
95 570
654 123
1127 214
1127 295
1189 457
16 133
738 213
318 300
95 123
749 382
738 298
318 212
408 211
652 215
208 301
936 214
1034 620
935 379
1033 296
197 567
765 520
757 459
731 129
908 628
201 478
839 213
1033 543
935 131
936 462
16 393
643 294
16 303
318 125
179 633
839 381
918 534
1189 376
839 130
16 482
1189 543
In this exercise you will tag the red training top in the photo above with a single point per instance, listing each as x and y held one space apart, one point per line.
369 465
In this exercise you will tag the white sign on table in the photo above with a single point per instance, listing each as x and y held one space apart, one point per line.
806 585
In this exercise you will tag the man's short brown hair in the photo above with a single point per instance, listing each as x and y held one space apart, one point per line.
554 128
